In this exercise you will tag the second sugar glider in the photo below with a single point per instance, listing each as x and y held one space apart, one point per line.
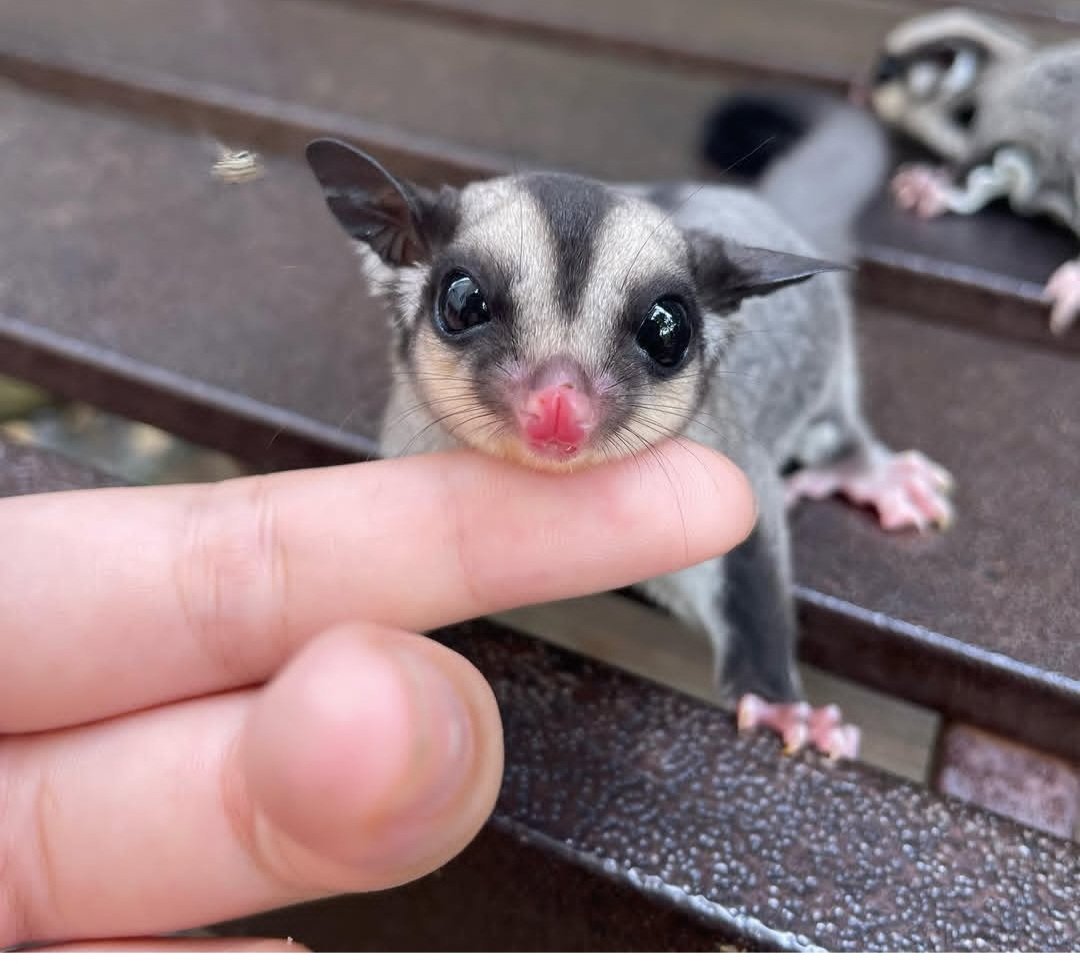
558 322
1001 112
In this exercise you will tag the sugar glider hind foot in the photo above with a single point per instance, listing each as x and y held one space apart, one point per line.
922 190
801 725
1063 292
906 489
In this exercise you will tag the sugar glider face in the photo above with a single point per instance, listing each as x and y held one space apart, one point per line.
547 318
926 78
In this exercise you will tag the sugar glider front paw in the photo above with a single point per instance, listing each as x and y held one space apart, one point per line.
801 725
922 189
1063 291
906 489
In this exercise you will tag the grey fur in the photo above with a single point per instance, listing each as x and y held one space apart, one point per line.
804 186
1034 104
1026 102
759 618
773 378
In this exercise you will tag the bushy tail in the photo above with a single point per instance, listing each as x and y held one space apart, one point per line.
816 158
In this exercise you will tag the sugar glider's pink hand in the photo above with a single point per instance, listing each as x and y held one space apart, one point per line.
213 699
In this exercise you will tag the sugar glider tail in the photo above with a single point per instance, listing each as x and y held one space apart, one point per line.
816 158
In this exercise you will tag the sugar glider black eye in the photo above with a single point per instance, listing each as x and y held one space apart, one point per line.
461 304
665 333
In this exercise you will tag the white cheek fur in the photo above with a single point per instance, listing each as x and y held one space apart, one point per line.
379 274
409 289
402 287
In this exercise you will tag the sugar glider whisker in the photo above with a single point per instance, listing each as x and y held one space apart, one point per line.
558 322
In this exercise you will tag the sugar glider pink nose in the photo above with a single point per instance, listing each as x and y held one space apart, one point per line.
557 415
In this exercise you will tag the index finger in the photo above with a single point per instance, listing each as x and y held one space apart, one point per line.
122 599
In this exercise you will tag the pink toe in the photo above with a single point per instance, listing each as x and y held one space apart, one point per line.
796 735
751 710
843 743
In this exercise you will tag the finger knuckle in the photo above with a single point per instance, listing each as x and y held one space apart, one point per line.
232 577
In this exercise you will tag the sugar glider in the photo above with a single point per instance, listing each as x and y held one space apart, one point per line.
558 322
1002 113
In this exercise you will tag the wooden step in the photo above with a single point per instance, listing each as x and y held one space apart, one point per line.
226 73
233 315
824 41
652 793
827 42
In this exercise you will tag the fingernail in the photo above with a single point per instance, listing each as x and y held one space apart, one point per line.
443 757
444 740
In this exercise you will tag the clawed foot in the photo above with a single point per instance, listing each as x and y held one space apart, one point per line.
1063 291
906 489
922 189
801 725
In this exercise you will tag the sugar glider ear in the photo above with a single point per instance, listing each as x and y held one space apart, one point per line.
727 272
400 222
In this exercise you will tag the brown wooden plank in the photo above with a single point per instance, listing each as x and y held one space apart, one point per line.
130 219
506 892
509 97
653 791
233 314
826 41
986 273
946 268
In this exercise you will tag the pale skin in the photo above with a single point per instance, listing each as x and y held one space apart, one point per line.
215 700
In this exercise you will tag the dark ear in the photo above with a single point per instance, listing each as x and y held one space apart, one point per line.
727 272
394 218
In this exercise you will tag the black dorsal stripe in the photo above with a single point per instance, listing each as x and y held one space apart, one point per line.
575 208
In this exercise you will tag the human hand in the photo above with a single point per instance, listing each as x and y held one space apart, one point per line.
214 701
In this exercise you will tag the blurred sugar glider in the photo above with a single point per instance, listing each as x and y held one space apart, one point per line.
1003 114
558 322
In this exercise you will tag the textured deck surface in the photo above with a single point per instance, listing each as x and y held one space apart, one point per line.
655 794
